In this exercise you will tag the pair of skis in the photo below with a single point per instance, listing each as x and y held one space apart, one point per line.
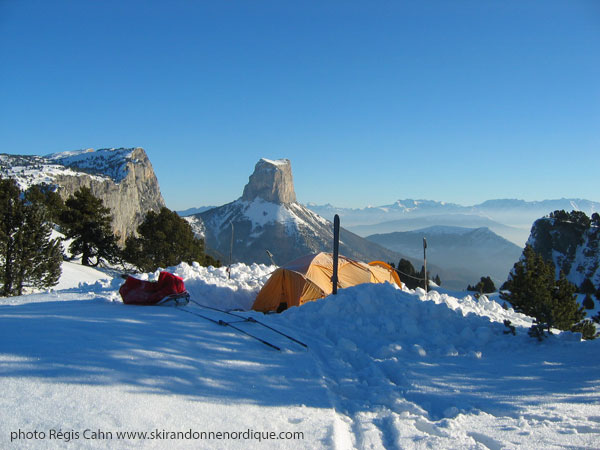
243 320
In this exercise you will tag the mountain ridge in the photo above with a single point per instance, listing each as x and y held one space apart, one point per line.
509 218
463 255
122 178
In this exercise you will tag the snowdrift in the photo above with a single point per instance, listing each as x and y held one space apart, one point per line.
385 368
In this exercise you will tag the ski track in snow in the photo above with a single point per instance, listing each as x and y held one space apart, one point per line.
385 369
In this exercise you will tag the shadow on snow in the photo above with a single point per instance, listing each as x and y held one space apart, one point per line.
155 349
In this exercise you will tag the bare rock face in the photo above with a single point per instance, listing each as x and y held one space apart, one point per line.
268 217
271 181
122 178
129 199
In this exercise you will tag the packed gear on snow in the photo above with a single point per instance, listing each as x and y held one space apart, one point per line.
309 278
168 288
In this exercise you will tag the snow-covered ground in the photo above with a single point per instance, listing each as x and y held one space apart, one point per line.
385 368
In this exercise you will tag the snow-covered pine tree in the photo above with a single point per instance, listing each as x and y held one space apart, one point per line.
41 254
28 256
534 291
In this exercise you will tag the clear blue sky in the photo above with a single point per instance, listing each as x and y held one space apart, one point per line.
372 101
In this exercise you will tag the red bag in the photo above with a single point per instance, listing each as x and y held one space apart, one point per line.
140 292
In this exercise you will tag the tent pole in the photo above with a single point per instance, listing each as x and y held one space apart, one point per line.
336 246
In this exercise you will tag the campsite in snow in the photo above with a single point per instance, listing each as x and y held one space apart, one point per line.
340 225
385 368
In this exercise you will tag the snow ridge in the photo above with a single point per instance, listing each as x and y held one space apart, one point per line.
99 164
108 162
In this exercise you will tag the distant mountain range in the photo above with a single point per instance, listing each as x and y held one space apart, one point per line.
465 242
510 218
464 254
468 221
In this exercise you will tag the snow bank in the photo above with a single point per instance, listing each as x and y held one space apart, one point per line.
385 368
218 287
384 321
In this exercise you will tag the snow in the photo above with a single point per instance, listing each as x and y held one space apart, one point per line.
30 175
261 212
110 162
276 162
385 368
75 275
100 165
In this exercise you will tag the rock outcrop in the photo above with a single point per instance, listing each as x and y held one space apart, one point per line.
267 217
572 242
123 178
271 181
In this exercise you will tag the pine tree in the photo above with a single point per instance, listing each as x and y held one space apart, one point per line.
408 274
165 239
587 287
43 255
45 194
566 312
587 330
535 292
485 285
588 302
12 217
28 256
88 222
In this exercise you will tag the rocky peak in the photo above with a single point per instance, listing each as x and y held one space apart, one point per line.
271 181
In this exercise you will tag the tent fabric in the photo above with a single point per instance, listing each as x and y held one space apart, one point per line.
382 272
140 292
309 278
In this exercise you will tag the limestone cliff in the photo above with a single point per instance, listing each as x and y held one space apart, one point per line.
267 217
123 178
272 181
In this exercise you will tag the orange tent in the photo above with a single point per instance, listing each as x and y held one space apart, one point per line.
309 278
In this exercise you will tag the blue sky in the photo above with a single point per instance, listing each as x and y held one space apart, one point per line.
457 101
